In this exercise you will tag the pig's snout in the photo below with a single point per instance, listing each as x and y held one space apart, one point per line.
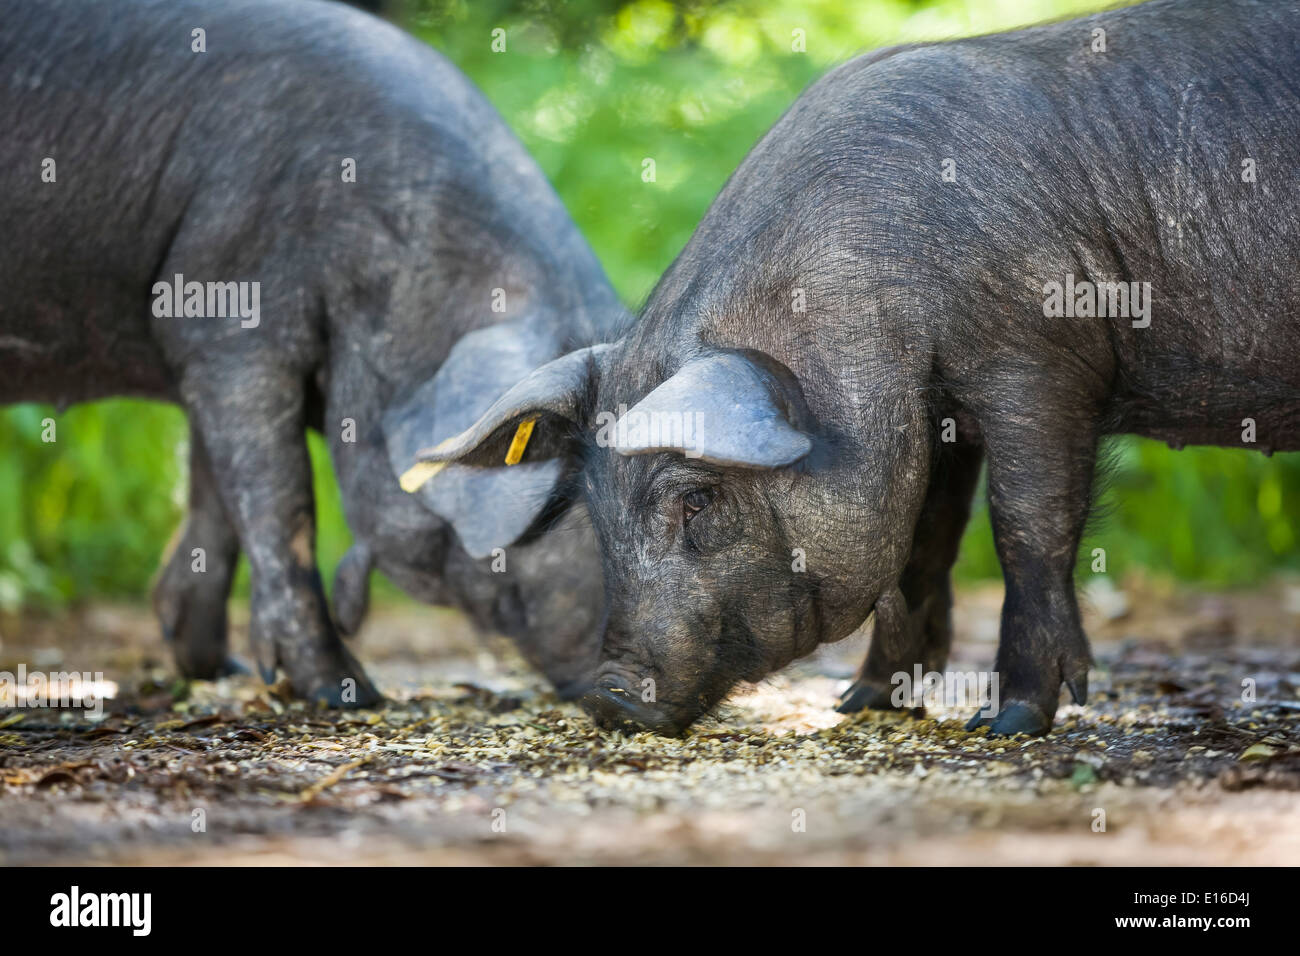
613 708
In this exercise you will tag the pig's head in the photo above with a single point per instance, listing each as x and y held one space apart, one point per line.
743 517
496 543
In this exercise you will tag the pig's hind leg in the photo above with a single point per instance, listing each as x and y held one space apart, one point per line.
194 586
920 631
252 417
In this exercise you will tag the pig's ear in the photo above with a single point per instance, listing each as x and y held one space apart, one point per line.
530 422
488 507
733 409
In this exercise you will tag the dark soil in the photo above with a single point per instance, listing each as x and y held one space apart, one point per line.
473 761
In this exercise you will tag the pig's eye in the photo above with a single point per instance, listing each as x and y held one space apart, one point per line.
693 502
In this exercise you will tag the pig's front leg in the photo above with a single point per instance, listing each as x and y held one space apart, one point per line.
920 632
191 594
252 420
1041 464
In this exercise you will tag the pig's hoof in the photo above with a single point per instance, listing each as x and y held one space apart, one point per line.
233 667
863 695
199 646
350 690
191 611
1015 718
346 696
229 667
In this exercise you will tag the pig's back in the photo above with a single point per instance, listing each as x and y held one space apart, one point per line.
229 160
1123 164
1165 161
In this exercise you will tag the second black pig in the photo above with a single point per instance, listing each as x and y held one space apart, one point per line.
284 214
1027 241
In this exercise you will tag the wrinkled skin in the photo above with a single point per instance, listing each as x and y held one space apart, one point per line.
697 604
923 303
226 166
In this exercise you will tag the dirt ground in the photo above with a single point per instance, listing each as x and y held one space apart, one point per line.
473 762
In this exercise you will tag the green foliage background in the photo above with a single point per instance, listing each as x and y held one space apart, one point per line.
593 87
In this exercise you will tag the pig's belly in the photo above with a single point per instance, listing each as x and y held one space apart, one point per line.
1229 409
64 355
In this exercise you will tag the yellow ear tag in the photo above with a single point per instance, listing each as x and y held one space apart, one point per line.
418 475
422 472
520 441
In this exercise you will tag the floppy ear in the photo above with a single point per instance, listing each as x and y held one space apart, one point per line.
489 507
552 394
725 408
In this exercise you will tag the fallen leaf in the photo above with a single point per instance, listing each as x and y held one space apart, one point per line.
1258 752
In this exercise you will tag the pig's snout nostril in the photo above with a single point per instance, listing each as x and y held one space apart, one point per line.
613 708
608 707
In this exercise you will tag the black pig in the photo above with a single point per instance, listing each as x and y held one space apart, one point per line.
934 237
284 214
